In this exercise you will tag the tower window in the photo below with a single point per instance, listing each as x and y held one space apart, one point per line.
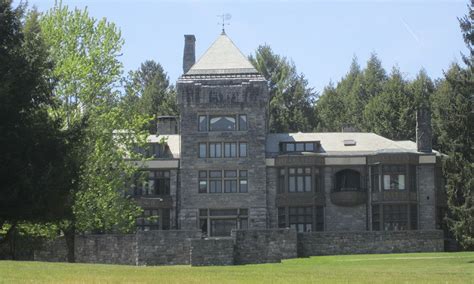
242 122
222 123
203 123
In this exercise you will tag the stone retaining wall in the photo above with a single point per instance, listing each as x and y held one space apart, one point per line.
165 247
107 248
263 246
212 252
362 242
52 250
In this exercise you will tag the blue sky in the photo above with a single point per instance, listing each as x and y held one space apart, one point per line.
321 37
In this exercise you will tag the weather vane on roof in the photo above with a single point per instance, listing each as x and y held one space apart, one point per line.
224 21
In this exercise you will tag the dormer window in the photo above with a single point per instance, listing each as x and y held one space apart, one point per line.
289 147
349 142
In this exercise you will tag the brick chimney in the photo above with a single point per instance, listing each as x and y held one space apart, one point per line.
189 55
423 130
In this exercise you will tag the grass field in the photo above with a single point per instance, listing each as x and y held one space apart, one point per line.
379 268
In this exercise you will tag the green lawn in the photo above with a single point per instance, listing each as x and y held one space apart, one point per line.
378 268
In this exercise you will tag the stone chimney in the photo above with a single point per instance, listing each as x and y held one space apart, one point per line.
189 55
423 130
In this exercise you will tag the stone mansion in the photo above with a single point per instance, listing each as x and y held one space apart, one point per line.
220 169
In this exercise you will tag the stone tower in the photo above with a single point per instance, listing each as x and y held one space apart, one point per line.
223 103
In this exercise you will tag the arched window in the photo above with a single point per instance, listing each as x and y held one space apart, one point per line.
347 180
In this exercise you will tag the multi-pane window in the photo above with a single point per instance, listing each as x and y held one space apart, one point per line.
203 123
299 146
230 150
215 181
157 183
222 149
243 149
202 150
154 219
395 217
301 218
222 122
218 181
202 181
243 182
242 122
230 181
299 180
221 222
394 177
215 150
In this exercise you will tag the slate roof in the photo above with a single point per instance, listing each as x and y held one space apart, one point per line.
222 58
173 141
332 143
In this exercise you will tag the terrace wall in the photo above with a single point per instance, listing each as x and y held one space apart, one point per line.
364 242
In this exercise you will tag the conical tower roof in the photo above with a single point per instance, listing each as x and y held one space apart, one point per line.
222 57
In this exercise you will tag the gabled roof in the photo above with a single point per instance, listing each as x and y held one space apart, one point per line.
222 57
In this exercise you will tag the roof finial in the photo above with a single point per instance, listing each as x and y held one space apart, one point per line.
224 18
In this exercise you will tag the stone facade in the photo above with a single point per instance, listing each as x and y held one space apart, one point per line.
222 96
342 218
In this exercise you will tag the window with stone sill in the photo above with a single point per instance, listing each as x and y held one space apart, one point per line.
219 181
394 177
222 149
299 180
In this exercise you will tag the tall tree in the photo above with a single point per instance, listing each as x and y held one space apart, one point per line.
291 100
149 92
453 121
33 170
354 92
392 112
330 110
86 53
